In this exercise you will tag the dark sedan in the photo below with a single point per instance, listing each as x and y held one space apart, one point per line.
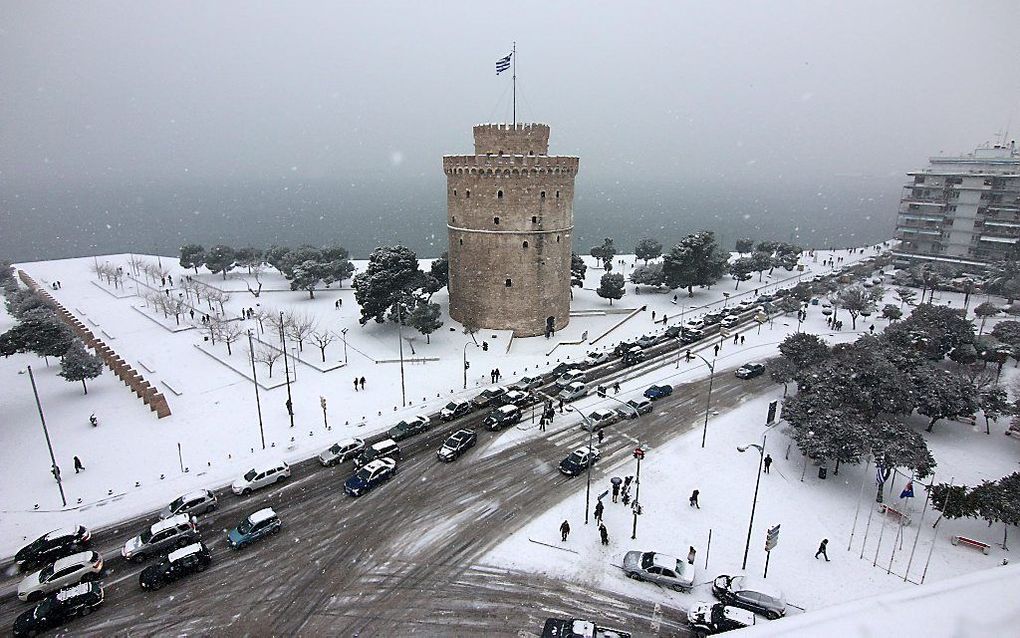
657 392
370 476
459 442
53 545
57 609
750 370
579 460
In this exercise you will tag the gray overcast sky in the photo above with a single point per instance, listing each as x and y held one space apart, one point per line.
108 92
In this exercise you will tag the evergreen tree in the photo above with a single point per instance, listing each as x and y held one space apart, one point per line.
440 269
745 245
275 256
804 350
392 272
192 256
248 257
984 311
943 394
695 261
891 312
38 331
741 268
78 365
611 287
647 249
577 270
220 259
425 319
305 276
605 253
648 275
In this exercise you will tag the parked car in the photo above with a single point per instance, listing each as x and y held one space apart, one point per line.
657 392
489 398
370 476
457 444
714 618
635 407
193 503
385 449
577 628
409 427
661 569
579 460
341 452
750 370
596 358
53 545
59 608
646 341
526 384
691 336
260 476
623 347
255 526
713 318
176 565
172 533
455 409
564 367
731 321
600 418
746 304
673 332
633 356
572 392
502 417
765 299
751 594
568 377
516 397
69 570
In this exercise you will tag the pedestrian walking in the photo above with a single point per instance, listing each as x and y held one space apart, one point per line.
872 329
604 533
616 388
362 383
821 549
768 463
694 499
78 467
290 407
162 281
561 406
626 482
691 554
717 349
170 278
564 530
741 339
653 316
626 497
499 375
339 303
541 423
674 298
601 436
599 509
336 304
192 313
355 384
616 492
735 338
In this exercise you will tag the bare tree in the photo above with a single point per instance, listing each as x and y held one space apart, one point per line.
255 272
261 315
268 355
278 321
323 338
299 326
176 306
213 328
230 332
218 297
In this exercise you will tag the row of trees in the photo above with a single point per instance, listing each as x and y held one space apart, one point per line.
38 330
994 501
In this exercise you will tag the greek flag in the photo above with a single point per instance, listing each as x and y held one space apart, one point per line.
879 475
503 64
908 491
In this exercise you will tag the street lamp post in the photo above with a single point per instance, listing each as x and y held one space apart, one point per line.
591 432
757 483
400 348
255 382
639 453
466 364
343 335
53 460
286 372
708 402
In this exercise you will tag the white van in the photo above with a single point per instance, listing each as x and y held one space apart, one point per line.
260 476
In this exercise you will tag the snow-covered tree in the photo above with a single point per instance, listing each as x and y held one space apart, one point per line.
695 261
905 296
760 262
804 350
647 249
611 287
647 275
425 319
392 272
933 330
269 356
298 326
745 245
781 370
230 332
40 331
322 339
984 311
891 312
943 394
305 276
994 403
604 253
741 269
440 269
192 256
77 364
577 270
248 257
220 259
854 300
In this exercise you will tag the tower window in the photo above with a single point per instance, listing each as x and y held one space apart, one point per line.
455 192
557 239
534 219
557 194
509 283
461 242
467 194
495 220
542 195
453 220
499 194
525 244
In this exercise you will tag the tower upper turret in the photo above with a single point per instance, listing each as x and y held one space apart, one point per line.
512 139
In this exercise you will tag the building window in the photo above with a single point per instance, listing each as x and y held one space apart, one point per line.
509 283
557 239
542 195
461 242
455 192
467 194
495 220
453 220
499 194
557 194
525 244
534 219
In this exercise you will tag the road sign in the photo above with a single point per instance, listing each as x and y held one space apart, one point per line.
639 453
772 538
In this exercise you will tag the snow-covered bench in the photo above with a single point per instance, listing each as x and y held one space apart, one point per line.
976 544
895 513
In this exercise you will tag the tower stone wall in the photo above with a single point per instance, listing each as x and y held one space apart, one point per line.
510 218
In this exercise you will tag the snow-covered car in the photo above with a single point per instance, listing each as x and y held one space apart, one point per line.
661 569
635 407
370 476
568 377
516 397
69 570
745 305
633 356
489 398
750 370
177 564
596 358
53 545
599 419
341 452
577 628
457 444
260 476
409 427
731 321
193 503
707 619
694 324
691 336
579 460
254 527
751 594
455 409
526 384
502 417
172 533
59 608
646 341
572 392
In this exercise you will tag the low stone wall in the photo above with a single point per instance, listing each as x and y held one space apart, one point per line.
131 378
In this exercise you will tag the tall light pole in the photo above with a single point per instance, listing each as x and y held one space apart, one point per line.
708 402
343 335
757 482
286 372
400 347
466 364
639 453
255 382
54 468
591 432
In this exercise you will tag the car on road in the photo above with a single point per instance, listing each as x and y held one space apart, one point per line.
568 377
694 324
489 398
596 358
661 569
579 460
731 321
516 397
502 417
713 318
59 608
564 367
751 594
750 370
634 356
176 565
635 407
572 392
341 452
370 476
455 409
385 449
646 341
260 476
172 533
673 332
599 419
193 503
623 347
746 304
254 527
409 427
765 299
527 384
577 628
691 336
457 444
657 392
707 619
53 545
69 570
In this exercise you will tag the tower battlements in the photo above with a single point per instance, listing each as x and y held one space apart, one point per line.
512 139
509 165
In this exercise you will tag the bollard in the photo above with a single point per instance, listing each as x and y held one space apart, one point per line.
36 506
109 492
187 469
210 463
229 456
273 444
138 484
162 477
79 500
291 439
309 433
347 422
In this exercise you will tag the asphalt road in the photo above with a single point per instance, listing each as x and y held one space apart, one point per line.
404 558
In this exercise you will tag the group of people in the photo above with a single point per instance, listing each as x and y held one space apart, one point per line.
55 285
548 412
603 532
495 375
358 381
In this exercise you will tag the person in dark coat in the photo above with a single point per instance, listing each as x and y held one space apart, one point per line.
691 553
362 383
768 463
694 499
564 530
355 384
616 388
604 533
616 492
78 467
821 549
601 436
599 509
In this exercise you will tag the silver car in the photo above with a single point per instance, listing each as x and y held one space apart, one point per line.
172 533
194 503
751 594
341 452
573 391
661 569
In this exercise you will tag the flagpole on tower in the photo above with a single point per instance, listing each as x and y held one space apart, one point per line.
513 59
